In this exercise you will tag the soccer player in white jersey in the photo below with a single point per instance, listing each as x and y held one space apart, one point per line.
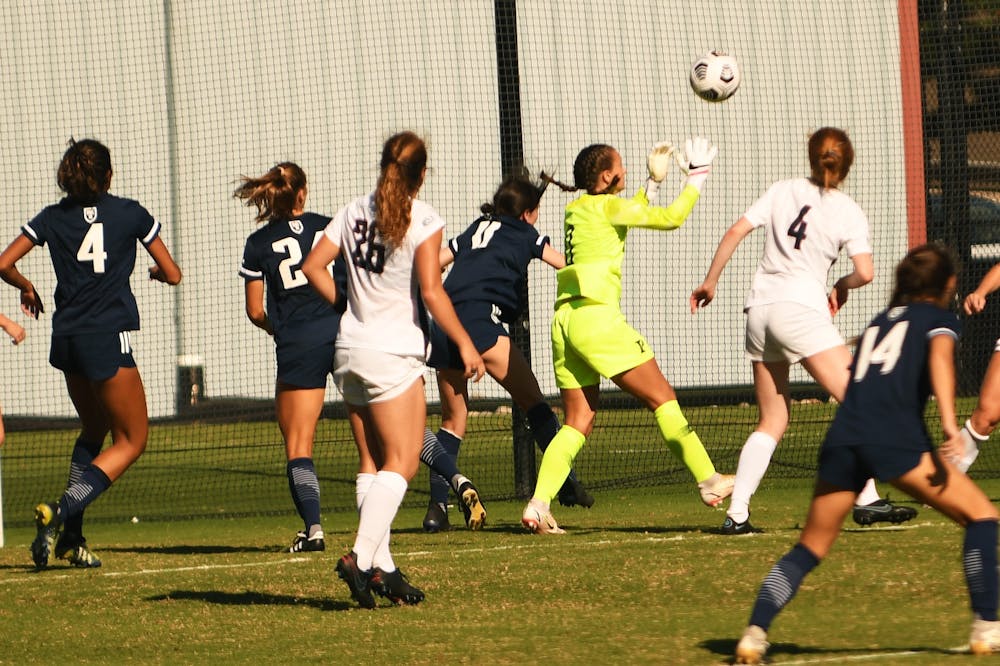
986 415
808 222
390 241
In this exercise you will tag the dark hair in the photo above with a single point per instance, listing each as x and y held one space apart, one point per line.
590 163
516 194
84 172
923 274
830 156
404 157
275 193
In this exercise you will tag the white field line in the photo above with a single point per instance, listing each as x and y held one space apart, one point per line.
539 542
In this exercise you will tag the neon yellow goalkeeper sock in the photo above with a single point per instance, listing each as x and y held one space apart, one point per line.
557 462
682 441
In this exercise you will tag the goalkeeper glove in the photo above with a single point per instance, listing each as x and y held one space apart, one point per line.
657 163
696 160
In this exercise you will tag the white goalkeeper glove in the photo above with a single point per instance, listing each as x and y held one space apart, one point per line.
696 160
657 163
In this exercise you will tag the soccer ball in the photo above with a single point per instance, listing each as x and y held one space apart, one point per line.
715 76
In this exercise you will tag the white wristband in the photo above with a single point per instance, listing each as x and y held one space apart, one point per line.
652 188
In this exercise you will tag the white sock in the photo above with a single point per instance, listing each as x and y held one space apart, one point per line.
868 495
382 557
972 440
362 483
457 481
754 460
377 513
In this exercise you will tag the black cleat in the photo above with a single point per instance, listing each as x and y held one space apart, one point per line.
573 493
73 548
395 587
732 527
883 511
472 506
357 580
436 518
308 544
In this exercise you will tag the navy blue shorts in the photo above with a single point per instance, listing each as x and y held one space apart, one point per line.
850 467
96 356
304 364
481 320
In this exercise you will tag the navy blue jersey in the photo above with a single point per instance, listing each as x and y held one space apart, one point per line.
491 263
890 381
275 253
93 253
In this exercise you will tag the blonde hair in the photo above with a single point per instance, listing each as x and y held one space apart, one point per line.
276 193
404 157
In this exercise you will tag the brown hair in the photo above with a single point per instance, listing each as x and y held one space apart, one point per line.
401 173
830 156
516 194
85 170
923 274
275 193
590 163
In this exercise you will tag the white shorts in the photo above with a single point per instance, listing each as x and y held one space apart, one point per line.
365 376
788 331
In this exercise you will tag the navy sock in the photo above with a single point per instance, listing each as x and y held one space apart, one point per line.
92 483
544 424
440 454
979 560
781 585
84 453
304 485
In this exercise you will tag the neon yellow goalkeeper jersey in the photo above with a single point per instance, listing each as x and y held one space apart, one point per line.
595 228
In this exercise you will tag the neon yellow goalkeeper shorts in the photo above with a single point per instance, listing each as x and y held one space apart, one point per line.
590 341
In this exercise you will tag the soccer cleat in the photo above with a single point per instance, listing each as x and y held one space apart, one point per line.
395 586
47 522
731 527
308 544
573 493
472 506
538 519
357 580
752 646
74 549
716 488
985 638
882 510
436 518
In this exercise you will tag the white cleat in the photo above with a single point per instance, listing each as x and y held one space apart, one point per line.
538 519
716 488
752 646
985 638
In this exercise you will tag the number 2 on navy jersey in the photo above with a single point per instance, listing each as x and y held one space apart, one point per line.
92 247
885 354
288 268
797 230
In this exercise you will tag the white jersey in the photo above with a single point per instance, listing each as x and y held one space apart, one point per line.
384 309
806 228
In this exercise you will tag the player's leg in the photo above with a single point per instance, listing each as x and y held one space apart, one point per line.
506 364
939 484
647 383
94 427
298 411
829 508
985 416
440 452
770 380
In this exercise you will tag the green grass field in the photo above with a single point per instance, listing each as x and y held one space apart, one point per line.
640 578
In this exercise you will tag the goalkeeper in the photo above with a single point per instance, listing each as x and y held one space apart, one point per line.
590 336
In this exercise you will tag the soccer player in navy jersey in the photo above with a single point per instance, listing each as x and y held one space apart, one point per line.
92 237
905 354
304 325
486 284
